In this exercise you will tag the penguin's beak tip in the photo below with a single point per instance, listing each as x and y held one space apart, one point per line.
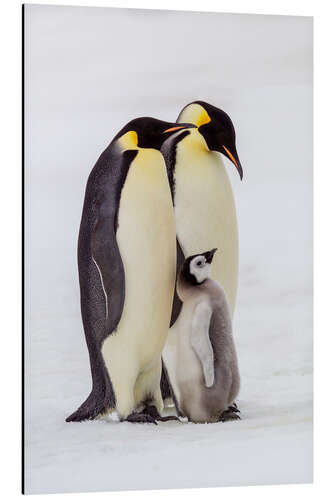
240 171
235 161
210 255
239 168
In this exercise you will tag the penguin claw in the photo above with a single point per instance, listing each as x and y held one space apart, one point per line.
152 411
234 408
141 418
230 414
169 417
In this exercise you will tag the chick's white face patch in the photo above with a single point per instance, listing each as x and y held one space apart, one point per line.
200 268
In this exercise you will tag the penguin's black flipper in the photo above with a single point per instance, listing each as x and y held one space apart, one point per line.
107 259
104 247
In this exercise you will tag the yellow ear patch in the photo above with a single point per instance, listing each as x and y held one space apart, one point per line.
129 140
202 118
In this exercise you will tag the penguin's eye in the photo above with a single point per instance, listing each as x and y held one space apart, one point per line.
200 263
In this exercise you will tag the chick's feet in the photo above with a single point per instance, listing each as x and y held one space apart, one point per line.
230 414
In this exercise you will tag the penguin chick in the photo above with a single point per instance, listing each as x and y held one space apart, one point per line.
206 371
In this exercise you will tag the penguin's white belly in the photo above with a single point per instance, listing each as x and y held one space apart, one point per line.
205 213
146 240
180 359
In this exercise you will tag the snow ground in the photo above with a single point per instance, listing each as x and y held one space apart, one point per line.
80 91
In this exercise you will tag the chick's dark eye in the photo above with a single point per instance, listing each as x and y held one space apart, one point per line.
199 263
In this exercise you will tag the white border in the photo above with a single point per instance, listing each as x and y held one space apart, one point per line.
10 34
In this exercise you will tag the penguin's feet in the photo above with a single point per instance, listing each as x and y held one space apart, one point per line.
152 411
141 418
234 408
230 414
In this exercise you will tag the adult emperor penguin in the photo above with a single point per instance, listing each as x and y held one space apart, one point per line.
203 200
127 269
205 376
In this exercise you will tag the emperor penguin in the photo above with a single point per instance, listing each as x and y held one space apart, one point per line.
127 230
202 195
203 200
205 376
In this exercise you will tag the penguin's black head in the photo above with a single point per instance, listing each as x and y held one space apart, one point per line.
196 268
148 132
216 127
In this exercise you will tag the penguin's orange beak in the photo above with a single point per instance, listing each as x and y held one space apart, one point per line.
173 129
234 161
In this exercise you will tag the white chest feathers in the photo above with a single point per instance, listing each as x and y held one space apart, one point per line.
205 210
188 353
195 357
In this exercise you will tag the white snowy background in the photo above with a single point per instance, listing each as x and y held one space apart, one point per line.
88 72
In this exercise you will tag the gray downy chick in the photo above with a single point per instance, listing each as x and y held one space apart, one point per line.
200 354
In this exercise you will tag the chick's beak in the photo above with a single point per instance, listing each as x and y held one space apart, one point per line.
209 255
